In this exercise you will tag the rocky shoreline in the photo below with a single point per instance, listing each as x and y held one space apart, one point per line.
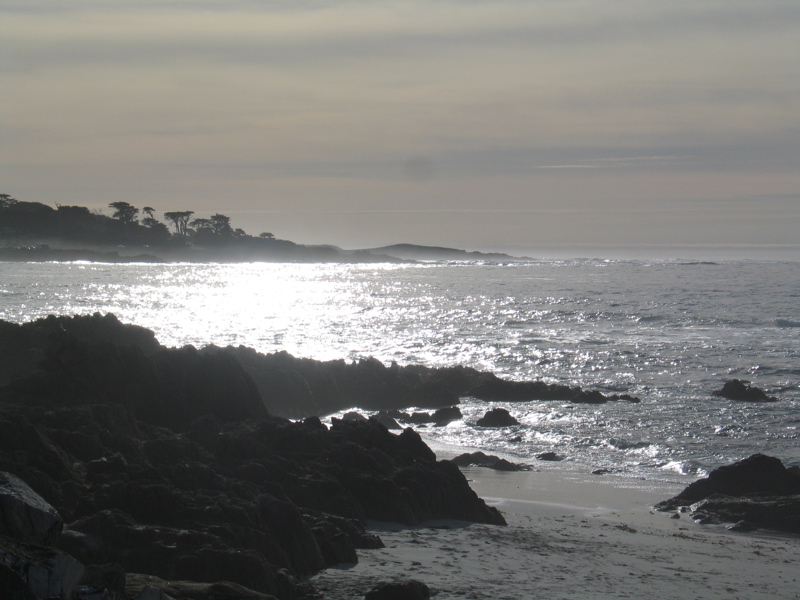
166 463
49 359
177 469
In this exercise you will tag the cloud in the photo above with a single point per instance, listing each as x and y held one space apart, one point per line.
449 105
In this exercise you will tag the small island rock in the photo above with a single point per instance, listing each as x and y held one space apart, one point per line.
736 389
497 417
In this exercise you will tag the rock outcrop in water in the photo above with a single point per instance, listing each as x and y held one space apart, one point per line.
497 417
300 387
736 389
73 359
758 491
166 463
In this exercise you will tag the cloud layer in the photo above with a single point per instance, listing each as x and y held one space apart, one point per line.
467 123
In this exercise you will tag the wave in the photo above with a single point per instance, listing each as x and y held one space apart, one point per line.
786 323
686 467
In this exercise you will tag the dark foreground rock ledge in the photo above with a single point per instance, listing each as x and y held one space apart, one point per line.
166 463
75 358
758 491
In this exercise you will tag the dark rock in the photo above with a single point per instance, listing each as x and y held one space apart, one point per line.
736 389
628 397
160 503
24 515
491 388
336 546
758 490
409 589
170 387
354 530
588 397
109 577
430 394
601 472
354 416
780 513
40 356
297 387
385 419
166 463
758 474
446 415
497 417
742 526
549 456
44 572
479 459
139 586
12 585
24 347
439 491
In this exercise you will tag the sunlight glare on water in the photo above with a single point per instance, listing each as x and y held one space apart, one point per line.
668 332
297 308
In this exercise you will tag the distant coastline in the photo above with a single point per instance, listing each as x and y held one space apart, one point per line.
46 252
416 252
36 232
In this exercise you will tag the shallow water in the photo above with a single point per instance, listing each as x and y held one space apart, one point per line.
666 331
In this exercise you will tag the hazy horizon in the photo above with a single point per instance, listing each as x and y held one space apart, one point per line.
507 125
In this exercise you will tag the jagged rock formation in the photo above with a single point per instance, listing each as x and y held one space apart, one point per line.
758 491
61 361
300 387
73 359
166 463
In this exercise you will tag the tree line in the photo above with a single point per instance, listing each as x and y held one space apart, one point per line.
128 224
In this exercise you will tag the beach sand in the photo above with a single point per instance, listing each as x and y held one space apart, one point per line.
575 536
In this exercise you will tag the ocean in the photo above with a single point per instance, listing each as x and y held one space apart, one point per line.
667 331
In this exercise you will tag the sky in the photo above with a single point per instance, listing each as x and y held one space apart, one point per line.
484 125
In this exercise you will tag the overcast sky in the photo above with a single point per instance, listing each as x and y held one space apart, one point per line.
476 124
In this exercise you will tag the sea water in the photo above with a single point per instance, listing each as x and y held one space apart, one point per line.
666 331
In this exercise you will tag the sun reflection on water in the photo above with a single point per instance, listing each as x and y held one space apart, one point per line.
646 332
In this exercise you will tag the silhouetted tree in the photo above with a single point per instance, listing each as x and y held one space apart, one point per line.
6 200
266 235
125 212
150 221
180 219
201 224
221 225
